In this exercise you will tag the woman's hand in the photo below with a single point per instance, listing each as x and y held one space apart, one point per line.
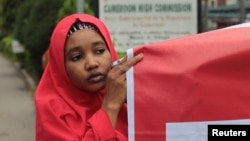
116 89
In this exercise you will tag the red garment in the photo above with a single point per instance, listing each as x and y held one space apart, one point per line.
65 113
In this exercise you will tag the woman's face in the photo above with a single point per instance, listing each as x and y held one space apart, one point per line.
87 60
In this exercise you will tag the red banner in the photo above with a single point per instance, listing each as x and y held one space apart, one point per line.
184 84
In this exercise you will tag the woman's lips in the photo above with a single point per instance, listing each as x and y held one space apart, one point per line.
96 77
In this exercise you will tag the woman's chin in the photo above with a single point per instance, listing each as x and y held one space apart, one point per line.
94 88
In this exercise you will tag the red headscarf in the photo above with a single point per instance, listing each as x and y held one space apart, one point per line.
65 112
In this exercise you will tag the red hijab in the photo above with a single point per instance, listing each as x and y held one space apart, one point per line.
65 112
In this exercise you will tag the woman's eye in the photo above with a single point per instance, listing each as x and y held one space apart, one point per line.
100 51
76 58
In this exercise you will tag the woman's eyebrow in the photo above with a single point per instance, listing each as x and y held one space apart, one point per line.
96 43
72 50
77 48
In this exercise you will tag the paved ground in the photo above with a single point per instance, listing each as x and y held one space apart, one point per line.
17 114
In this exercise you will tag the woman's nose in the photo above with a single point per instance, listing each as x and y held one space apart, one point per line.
91 63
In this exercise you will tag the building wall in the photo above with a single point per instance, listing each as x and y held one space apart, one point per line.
224 22
217 3
228 2
221 2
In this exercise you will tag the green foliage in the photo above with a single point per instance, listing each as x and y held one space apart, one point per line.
32 23
69 7
8 11
88 7
29 67
38 30
6 47
22 20
121 54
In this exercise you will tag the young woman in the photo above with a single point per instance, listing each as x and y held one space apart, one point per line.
79 97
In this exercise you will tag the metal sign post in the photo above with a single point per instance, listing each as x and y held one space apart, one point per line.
79 6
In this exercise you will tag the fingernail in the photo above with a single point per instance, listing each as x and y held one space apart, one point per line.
140 55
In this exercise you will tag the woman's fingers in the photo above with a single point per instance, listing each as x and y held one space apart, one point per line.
116 82
132 61
125 63
121 68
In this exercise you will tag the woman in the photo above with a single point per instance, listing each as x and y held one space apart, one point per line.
79 97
